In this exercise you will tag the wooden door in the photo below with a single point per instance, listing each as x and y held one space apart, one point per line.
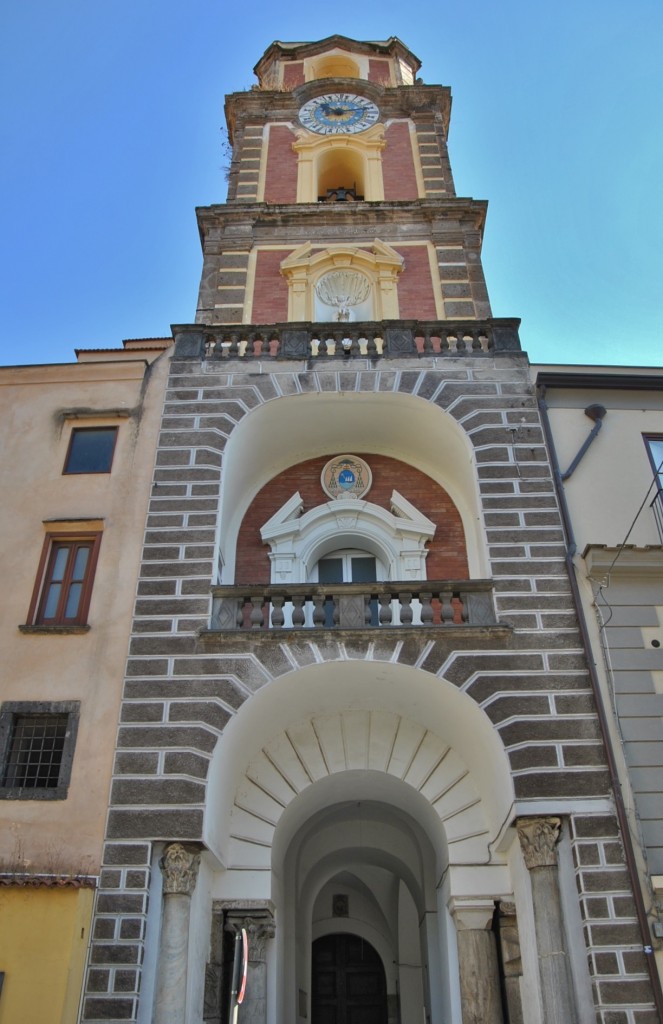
348 983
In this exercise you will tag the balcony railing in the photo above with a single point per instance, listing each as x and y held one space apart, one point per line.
370 339
436 603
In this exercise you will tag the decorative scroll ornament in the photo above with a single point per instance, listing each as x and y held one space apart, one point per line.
179 867
346 476
538 837
343 289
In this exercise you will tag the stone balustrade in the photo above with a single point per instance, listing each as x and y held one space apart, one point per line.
370 339
437 603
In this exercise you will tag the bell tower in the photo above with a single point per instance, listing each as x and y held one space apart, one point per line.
357 730
341 202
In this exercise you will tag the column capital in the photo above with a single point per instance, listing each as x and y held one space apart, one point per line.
538 838
472 914
259 925
179 867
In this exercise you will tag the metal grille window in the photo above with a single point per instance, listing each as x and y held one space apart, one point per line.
37 747
35 751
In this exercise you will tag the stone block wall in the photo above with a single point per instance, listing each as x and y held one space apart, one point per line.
529 675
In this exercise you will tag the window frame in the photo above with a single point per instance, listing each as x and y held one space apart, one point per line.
52 542
656 469
88 430
9 712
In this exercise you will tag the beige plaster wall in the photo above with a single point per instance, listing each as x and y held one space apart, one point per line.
39 406
615 475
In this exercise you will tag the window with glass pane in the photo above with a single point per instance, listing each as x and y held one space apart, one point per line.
67 581
91 450
655 449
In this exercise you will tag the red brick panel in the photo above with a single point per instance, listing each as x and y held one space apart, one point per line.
447 558
281 175
416 298
378 71
293 75
270 289
400 180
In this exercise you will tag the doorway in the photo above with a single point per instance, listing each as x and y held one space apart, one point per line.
348 981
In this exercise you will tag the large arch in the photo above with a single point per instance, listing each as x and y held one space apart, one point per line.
339 721
372 779
288 430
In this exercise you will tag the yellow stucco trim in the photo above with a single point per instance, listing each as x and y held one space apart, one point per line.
303 269
367 145
72 525
435 278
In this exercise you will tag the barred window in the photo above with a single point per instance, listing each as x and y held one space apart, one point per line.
37 745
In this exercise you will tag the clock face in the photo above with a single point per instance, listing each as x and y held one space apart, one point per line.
338 113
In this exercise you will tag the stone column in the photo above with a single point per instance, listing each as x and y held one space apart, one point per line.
512 966
259 926
480 996
179 866
538 838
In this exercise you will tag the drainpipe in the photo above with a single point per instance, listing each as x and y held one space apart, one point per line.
595 413
620 808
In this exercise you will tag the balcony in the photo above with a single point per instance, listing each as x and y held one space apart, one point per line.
369 340
440 604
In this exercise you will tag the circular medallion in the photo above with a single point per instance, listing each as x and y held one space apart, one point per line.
338 113
346 476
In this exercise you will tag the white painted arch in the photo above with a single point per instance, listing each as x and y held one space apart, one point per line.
357 730
285 431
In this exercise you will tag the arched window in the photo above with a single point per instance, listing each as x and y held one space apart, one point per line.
337 65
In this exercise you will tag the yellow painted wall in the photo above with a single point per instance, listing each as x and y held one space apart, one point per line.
43 940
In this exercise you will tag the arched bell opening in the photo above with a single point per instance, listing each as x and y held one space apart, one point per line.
341 175
336 65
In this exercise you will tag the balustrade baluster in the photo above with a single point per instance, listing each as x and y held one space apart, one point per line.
447 607
336 614
461 345
234 344
298 613
278 618
322 347
444 342
406 609
257 614
318 610
459 609
371 346
428 340
386 614
476 341
355 347
368 614
426 609
239 617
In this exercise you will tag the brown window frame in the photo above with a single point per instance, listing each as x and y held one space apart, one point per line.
53 543
89 472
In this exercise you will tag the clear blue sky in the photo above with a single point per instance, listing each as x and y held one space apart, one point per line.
110 132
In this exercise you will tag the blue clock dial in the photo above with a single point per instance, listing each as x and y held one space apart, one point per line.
338 113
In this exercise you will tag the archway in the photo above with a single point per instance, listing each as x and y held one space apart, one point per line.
373 782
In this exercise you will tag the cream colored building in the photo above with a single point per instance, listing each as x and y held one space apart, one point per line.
77 443
606 431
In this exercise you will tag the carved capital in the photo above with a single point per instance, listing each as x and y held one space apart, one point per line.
538 837
259 929
179 867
